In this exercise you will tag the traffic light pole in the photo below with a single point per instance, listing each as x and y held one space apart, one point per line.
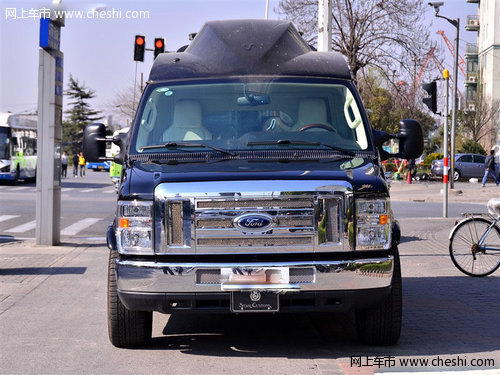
456 23
446 76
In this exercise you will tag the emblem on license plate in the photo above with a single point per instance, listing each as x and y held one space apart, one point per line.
255 296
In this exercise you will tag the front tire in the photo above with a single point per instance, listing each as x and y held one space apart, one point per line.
456 175
465 251
381 324
126 328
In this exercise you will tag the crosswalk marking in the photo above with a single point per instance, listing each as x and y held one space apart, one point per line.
87 190
23 227
20 188
108 191
79 226
7 217
64 190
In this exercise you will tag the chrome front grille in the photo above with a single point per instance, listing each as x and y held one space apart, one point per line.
218 217
292 224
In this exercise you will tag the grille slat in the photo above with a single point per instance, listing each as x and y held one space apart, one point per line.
255 241
281 222
261 203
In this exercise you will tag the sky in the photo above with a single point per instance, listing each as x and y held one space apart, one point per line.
99 51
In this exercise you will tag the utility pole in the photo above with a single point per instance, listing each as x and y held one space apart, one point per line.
324 25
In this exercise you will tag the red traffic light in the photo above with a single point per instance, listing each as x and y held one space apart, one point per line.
159 46
139 47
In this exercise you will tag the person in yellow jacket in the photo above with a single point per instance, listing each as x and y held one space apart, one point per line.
81 164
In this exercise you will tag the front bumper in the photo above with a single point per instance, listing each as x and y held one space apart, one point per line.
319 286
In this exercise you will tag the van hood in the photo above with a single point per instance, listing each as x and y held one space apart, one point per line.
363 174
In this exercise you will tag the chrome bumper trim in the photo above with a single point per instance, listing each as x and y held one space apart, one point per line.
153 277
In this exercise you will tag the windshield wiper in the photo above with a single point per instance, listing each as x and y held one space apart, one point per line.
175 145
307 143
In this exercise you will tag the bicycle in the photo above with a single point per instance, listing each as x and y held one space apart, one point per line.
475 242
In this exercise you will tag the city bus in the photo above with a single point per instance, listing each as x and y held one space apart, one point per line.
18 137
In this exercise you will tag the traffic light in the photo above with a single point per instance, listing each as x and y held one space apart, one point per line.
431 100
159 46
139 47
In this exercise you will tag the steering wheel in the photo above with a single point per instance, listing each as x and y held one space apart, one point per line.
317 126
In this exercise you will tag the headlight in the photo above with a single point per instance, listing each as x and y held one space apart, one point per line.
373 224
135 227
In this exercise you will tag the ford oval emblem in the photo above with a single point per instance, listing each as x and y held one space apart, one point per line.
253 222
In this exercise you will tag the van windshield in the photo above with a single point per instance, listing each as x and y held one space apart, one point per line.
250 115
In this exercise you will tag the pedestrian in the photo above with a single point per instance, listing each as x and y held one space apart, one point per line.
64 164
81 163
489 168
75 165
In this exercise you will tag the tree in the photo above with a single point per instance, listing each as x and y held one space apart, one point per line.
471 147
80 114
387 35
387 106
476 125
125 103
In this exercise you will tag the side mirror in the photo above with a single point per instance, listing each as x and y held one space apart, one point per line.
411 139
121 141
94 142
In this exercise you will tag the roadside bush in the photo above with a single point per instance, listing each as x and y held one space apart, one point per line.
390 167
429 158
471 147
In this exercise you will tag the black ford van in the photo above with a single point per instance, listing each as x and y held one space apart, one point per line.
252 183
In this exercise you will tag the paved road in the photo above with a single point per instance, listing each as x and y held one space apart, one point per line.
87 206
53 321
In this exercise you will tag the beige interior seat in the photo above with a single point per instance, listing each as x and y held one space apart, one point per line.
187 123
311 111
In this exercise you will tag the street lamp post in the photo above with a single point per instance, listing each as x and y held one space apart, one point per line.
456 23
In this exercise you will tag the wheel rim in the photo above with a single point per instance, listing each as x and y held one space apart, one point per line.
456 175
468 256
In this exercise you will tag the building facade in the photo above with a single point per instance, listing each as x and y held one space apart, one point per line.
483 67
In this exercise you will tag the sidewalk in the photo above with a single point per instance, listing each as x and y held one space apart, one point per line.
24 266
463 192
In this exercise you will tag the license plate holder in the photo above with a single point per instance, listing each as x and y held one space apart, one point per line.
254 301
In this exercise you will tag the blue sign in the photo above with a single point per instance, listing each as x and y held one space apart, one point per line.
50 34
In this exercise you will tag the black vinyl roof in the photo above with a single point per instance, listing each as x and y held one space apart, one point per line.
248 47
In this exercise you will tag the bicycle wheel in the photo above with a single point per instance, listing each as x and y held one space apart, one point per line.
465 252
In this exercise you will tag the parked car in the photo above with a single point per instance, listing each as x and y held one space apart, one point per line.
466 166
